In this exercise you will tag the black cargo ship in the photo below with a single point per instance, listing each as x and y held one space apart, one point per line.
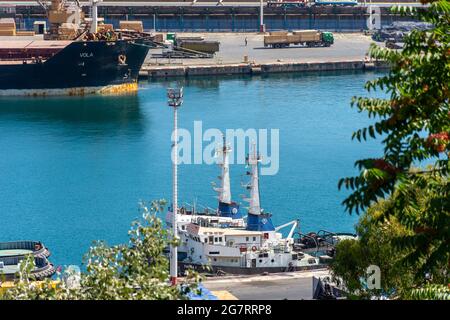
81 67
76 57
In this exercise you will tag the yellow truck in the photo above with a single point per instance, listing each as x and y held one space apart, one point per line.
309 38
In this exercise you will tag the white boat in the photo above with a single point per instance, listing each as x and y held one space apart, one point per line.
254 248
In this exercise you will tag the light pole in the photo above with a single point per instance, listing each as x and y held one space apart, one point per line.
175 97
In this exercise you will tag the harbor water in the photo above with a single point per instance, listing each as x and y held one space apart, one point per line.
74 169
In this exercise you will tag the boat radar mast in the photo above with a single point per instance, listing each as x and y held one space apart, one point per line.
227 207
224 192
254 203
257 219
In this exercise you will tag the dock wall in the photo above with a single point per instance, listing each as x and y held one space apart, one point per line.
153 71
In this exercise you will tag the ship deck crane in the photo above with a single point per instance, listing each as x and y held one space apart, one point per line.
294 224
60 12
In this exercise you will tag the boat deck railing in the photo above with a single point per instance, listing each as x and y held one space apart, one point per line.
36 247
331 237
43 268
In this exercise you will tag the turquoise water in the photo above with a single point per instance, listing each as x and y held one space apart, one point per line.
73 170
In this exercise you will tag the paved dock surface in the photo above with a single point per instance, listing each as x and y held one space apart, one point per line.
347 46
290 286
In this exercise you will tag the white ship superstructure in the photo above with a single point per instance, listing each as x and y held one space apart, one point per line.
259 246
240 249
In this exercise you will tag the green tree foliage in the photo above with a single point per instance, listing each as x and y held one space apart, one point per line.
373 247
411 230
431 292
414 125
134 271
381 242
414 121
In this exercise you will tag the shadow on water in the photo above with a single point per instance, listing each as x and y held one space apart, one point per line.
214 82
110 114
200 82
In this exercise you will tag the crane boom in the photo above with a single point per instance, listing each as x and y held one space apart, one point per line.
294 224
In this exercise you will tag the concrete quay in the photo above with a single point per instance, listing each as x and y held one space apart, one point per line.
254 69
236 58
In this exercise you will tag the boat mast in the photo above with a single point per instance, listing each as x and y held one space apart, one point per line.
253 160
257 220
225 189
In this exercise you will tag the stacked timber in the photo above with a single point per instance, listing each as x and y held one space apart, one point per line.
158 37
200 45
278 33
307 35
132 25
67 31
7 27
282 39
21 33
276 37
105 27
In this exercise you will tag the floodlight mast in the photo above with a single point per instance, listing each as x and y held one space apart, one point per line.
175 97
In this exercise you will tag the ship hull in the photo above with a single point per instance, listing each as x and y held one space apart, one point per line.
246 271
115 89
93 67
